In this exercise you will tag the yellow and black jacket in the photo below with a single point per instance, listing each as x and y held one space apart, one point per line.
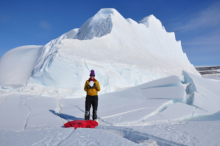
92 91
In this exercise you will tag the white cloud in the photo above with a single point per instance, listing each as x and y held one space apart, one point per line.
207 18
205 25
45 25
204 40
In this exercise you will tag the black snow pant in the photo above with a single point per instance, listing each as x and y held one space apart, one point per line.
91 100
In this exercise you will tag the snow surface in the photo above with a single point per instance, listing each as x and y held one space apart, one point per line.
160 116
122 52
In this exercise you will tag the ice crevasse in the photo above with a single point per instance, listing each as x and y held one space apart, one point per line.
123 53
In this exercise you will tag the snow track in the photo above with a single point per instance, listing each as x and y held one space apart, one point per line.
123 113
77 107
11 110
58 110
68 135
26 121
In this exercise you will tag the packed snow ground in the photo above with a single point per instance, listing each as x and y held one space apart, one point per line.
162 112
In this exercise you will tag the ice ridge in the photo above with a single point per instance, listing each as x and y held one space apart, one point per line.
122 52
50 50
150 21
98 25
202 93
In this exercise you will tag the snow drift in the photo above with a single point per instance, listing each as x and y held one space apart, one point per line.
122 52
17 64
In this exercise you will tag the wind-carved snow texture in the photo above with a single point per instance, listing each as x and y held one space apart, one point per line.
145 20
97 26
16 66
49 51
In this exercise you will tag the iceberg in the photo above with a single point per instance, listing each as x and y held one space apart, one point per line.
124 53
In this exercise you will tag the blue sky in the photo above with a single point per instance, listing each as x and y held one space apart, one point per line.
35 22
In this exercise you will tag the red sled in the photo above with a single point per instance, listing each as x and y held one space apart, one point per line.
81 124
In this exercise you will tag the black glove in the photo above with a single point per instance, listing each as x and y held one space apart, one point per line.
95 85
88 87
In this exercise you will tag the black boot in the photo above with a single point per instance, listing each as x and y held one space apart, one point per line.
94 115
87 115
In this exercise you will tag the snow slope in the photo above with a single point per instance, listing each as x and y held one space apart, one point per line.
122 52
17 64
154 113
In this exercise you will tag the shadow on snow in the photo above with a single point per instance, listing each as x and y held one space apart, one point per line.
65 116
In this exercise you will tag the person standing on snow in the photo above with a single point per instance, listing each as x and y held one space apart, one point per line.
91 87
